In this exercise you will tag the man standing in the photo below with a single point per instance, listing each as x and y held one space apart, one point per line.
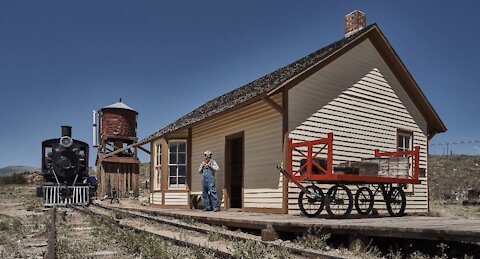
207 169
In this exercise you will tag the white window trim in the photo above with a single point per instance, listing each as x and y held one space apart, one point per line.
177 186
405 134
158 167
409 134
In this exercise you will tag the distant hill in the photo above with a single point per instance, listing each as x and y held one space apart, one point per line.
453 174
16 169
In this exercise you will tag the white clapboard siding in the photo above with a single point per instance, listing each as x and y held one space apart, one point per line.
176 198
264 197
156 198
262 129
357 98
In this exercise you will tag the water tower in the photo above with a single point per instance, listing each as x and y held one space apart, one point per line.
118 167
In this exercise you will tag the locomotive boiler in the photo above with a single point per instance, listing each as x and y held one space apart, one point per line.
65 170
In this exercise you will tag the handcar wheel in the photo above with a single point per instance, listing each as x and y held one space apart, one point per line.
396 202
311 204
364 201
339 201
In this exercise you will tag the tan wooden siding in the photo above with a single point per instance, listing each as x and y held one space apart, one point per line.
180 134
325 85
262 128
156 198
176 198
363 104
264 197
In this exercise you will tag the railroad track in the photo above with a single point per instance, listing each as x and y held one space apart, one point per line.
178 233
71 234
204 232
168 235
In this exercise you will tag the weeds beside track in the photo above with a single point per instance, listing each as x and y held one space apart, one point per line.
242 243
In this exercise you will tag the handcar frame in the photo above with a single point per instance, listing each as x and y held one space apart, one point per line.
339 200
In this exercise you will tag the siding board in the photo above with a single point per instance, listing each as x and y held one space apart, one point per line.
358 99
156 198
262 127
176 198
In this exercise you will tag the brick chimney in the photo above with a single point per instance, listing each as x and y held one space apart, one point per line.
354 22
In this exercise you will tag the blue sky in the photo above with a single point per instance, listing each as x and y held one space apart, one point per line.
59 60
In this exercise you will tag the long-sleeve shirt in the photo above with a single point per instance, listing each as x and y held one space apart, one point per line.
212 164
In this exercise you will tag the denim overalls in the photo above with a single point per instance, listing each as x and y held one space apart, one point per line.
208 187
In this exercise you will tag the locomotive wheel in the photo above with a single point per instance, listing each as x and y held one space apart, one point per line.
396 202
311 204
364 201
339 201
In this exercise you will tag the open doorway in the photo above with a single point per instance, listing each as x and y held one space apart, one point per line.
234 155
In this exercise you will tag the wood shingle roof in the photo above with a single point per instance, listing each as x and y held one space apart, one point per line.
273 81
253 89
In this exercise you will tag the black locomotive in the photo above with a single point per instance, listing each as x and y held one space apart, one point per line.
65 169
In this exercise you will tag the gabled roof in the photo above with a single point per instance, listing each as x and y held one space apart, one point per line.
291 75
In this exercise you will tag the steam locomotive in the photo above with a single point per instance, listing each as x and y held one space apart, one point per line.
65 170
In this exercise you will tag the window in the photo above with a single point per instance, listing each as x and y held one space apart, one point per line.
158 166
404 141
177 163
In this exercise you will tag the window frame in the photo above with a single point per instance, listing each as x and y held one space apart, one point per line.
158 167
177 185
406 133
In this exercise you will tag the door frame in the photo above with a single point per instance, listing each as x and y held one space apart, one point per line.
228 176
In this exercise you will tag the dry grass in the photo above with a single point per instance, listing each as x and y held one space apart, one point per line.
453 174
252 249
313 239
142 244
450 178
13 230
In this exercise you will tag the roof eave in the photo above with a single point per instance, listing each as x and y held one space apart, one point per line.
254 99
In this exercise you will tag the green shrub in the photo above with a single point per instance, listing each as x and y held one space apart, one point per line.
14 179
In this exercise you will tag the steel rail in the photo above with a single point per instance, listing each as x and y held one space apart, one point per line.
292 250
178 242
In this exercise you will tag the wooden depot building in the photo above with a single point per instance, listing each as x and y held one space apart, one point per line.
357 88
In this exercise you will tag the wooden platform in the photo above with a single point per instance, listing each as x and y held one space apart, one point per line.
414 227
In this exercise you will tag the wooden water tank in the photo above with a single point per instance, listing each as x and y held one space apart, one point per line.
118 120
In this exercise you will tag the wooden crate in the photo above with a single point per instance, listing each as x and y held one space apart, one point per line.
397 167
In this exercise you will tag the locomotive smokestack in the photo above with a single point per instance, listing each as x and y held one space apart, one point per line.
67 131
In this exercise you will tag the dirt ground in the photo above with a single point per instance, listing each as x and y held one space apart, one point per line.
24 228
454 210
77 237
23 223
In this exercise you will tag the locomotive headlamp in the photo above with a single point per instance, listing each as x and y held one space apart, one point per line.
66 141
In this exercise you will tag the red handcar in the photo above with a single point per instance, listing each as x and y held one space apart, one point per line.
339 201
